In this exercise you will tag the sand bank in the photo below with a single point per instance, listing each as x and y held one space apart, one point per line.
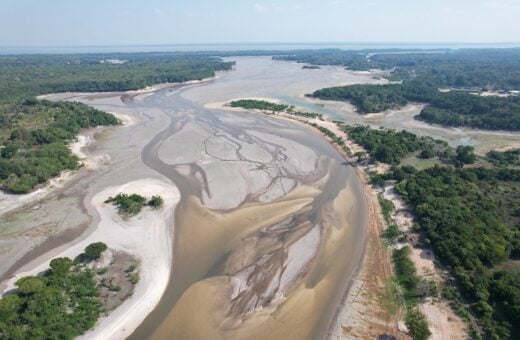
147 236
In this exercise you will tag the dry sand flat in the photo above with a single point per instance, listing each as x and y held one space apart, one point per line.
146 236
270 227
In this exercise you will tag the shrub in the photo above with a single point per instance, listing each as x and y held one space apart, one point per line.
94 250
156 201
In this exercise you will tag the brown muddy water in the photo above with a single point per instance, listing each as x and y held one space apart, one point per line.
274 265
271 224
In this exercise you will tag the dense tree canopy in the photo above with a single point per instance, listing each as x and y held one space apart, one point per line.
455 108
253 104
61 304
464 216
34 136
422 74
389 146
30 75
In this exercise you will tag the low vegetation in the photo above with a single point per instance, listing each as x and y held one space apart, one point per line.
311 67
252 104
130 205
61 304
387 207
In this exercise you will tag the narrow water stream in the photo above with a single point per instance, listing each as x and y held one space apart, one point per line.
264 267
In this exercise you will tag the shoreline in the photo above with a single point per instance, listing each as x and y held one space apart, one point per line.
148 236
370 265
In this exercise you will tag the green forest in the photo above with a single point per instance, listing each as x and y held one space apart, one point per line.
470 216
421 74
454 108
505 158
390 146
34 137
130 205
31 75
34 133
492 69
62 303
366 98
471 219
253 104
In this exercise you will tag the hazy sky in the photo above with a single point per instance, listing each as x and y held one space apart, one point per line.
129 22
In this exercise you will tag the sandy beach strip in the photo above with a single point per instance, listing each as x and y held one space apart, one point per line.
148 236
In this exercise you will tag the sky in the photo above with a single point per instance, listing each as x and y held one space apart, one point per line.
152 22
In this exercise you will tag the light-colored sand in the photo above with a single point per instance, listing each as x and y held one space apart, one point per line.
80 148
148 236
442 320
10 202
126 119
256 163
363 311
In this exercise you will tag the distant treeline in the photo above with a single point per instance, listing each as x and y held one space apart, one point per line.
493 69
421 74
454 108
30 75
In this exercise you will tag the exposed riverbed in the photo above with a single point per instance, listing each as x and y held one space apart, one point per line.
271 223
269 228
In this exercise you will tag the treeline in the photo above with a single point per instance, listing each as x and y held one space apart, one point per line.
253 104
463 215
351 59
455 108
504 158
489 69
492 69
366 98
34 137
31 75
61 304
390 146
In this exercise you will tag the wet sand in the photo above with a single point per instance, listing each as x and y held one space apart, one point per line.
278 242
256 259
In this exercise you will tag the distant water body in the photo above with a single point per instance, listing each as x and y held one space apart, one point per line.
239 47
